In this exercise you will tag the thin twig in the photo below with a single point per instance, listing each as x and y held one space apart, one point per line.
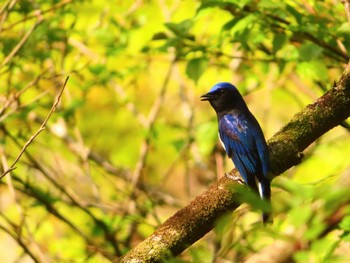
42 127
20 44
34 192
57 6
5 11
7 5
23 106
62 188
5 112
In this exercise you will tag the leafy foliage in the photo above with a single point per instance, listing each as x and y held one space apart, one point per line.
131 142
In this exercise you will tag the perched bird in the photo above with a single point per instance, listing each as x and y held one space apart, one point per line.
242 137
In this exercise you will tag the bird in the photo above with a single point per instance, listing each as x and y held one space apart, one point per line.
242 138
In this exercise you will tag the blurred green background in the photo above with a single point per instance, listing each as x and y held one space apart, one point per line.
131 142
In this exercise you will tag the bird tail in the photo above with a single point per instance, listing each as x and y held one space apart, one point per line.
265 194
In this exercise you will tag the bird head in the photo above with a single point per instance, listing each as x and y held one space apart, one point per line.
224 97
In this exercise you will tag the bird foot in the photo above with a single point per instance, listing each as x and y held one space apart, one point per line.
234 178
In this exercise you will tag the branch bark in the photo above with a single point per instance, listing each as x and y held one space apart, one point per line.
195 220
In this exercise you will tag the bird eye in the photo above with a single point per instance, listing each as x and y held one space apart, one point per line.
222 91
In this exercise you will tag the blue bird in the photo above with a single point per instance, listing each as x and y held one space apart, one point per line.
241 137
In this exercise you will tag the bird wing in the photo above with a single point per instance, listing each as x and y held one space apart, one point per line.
263 152
240 145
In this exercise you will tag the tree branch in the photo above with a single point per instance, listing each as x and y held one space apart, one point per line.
195 220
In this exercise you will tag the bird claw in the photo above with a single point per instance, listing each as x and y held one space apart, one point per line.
234 178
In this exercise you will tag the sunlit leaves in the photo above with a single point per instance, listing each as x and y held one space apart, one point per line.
243 25
314 70
277 53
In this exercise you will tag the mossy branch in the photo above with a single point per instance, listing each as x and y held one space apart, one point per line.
195 220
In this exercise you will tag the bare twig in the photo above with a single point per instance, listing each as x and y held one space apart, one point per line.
19 107
8 5
4 113
5 10
42 127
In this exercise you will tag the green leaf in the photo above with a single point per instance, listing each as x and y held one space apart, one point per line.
242 3
310 51
180 29
271 5
345 236
301 256
315 70
195 68
344 28
345 223
178 144
300 215
278 41
314 229
298 16
230 24
159 36
243 24
252 198
219 4
97 69
321 248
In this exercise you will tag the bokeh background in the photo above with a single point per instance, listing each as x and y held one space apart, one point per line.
131 143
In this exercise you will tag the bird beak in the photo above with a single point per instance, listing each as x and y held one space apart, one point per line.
206 96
